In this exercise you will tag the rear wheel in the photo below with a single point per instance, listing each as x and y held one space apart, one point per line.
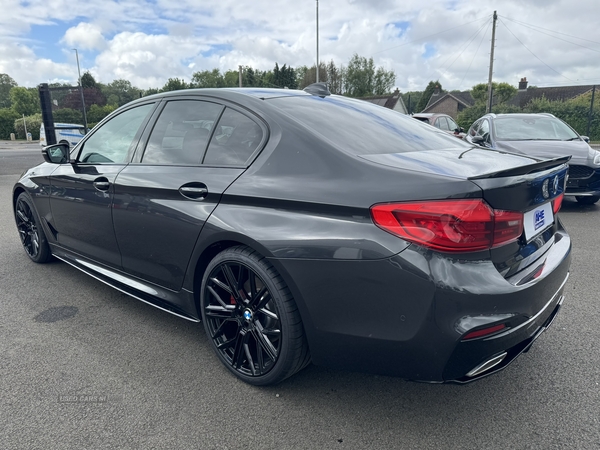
30 230
588 200
251 318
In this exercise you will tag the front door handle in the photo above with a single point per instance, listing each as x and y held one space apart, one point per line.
102 184
195 191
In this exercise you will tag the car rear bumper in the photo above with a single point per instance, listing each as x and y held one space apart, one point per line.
405 316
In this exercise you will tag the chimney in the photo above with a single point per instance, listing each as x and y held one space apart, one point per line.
523 84
436 91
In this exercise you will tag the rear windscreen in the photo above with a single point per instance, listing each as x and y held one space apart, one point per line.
360 128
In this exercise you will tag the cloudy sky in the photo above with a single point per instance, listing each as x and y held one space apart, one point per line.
551 42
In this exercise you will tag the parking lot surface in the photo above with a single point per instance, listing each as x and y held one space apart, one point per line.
83 366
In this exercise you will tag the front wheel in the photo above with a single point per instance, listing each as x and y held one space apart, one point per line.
30 230
587 200
251 319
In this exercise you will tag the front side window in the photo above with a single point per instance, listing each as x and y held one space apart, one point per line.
235 139
181 133
112 142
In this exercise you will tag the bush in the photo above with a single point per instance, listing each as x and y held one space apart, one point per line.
97 113
33 126
7 122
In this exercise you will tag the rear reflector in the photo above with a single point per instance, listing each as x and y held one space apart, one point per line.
557 203
483 332
450 225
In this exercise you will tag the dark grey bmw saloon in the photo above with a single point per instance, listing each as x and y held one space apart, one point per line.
301 226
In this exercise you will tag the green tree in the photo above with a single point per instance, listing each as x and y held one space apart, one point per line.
120 92
6 84
7 122
174 84
97 112
335 78
208 79
67 115
25 101
384 81
231 78
33 123
360 76
88 80
502 92
427 93
151 91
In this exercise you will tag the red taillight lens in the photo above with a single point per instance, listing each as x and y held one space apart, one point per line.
450 225
557 203
483 332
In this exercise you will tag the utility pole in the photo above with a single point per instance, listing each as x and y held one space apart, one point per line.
240 71
591 111
81 93
489 102
317 41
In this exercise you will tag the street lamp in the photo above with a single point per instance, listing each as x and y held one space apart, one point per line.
81 93
317 41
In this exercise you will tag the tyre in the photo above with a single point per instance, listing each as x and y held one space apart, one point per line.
588 200
251 319
30 230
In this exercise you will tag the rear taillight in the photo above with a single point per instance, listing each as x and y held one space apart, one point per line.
450 225
557 203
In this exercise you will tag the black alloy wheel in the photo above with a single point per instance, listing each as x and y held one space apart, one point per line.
587 200
30 230
251 318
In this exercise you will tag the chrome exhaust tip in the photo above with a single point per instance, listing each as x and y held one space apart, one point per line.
492 362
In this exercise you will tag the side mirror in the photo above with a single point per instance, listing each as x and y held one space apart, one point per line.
56 154
586 139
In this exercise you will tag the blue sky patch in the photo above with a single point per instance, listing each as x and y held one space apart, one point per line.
429 51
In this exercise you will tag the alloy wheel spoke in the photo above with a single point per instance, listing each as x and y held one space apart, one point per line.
264 342
238 353
233 283
249 358
268 313
221 284
220 312
217 297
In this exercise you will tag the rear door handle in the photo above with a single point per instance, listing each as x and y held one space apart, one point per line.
195 191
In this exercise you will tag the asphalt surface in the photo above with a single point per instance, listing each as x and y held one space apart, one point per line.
83 366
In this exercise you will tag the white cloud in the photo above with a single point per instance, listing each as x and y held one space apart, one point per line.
147 42
85 36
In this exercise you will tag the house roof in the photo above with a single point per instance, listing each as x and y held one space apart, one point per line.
557 93
520 99
391 101
461 97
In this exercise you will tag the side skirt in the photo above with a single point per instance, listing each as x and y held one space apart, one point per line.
141 291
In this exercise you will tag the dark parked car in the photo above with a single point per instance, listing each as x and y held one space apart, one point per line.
543 136
299 226
442 121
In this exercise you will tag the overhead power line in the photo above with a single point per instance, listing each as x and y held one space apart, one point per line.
535 56
555 37
431 35
553 31
476 51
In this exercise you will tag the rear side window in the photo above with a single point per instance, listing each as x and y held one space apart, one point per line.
361 128
235 139
181 133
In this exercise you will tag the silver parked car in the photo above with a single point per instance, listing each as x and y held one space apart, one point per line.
545 136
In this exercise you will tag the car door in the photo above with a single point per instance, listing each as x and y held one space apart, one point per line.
195 150
82 190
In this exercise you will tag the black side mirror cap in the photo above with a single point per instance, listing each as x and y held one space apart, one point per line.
56 154
586 139
477 140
